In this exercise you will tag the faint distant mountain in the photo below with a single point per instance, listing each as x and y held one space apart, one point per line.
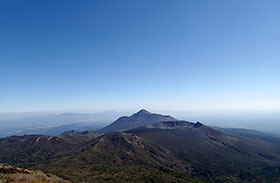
138 119
54 124
270 137
240 131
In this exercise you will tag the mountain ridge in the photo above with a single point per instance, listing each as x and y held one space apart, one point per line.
164 151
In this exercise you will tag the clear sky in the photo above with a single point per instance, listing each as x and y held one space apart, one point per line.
156 54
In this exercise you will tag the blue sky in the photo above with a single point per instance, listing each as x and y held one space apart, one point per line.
125 55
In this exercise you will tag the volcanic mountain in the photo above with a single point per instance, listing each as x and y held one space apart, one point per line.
141 118
159 151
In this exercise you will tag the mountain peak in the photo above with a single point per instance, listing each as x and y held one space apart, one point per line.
141 118
143 111
198 124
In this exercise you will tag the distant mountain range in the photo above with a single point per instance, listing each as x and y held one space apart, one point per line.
148 147
54 124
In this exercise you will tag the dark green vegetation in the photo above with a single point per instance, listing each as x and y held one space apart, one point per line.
120 157
168 151
215 155
30 150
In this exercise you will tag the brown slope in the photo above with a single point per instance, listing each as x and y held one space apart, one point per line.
19 175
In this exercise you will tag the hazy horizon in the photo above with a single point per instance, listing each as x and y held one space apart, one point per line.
261 121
